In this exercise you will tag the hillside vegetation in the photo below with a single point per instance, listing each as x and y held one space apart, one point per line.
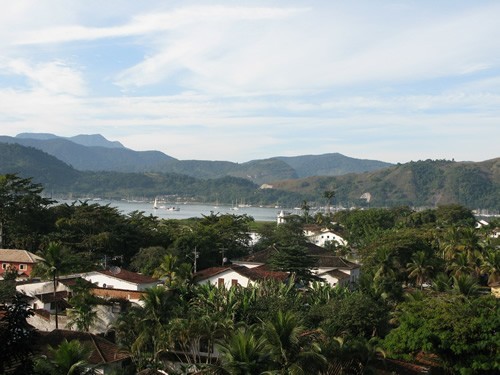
422 183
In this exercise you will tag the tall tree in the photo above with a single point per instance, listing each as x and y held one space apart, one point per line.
305 207
463 332
329 195
22 212
172 271
16 335
420 268
83 303
56 260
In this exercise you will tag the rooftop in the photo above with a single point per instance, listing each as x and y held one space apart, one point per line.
254 274
129 276
103 351
18 256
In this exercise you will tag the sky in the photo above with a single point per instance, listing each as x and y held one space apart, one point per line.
244 80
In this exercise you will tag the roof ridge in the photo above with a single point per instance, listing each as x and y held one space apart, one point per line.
98 349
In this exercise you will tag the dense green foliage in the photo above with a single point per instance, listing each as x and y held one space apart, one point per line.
422 289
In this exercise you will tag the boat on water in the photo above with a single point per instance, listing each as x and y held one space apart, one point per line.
155 204
173 208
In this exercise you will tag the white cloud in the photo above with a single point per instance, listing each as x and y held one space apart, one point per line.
54 76
233 82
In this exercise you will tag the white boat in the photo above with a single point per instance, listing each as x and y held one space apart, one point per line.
173 208
155 204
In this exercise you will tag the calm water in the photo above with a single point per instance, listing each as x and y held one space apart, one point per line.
188 210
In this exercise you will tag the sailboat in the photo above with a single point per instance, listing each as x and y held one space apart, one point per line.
234 208
155 204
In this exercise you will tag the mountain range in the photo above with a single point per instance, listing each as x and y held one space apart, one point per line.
94 166
96 153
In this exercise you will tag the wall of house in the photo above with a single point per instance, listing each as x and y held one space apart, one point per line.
105 281
41 287
48 323
27 267
130 295
228 278
321 238
334 281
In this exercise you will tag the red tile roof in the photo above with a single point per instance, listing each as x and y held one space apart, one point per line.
103 351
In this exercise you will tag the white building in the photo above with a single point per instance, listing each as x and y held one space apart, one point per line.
233 275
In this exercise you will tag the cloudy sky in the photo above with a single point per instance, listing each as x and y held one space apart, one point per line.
242 80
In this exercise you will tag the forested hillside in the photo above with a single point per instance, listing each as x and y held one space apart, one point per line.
62 180
421 183
96 153
331 165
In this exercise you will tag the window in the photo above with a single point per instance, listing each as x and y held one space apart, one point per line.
234 282
22 267
116 307
4 266
220 281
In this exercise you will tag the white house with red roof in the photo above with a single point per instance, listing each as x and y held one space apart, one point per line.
119 278
114 283
333 269
21 260
232 275
321 236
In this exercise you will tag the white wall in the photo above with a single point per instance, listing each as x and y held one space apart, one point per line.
321 238
228 277
105 281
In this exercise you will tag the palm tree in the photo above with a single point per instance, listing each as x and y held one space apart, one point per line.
152 320
82 313
244 353
172 271
291 346
441 282
460 265
329 195
491 265
450 243
385 264
69 358
54 262
420 268
466 285
305 209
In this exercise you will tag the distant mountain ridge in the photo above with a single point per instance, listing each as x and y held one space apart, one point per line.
96 153
91 140
333 164
422 183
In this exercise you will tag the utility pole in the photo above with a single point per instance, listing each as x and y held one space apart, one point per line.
195 253
224 260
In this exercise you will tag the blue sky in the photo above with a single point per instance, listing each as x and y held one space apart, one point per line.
244 80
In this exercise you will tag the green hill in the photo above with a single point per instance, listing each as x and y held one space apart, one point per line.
96 153
421 183
334 164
